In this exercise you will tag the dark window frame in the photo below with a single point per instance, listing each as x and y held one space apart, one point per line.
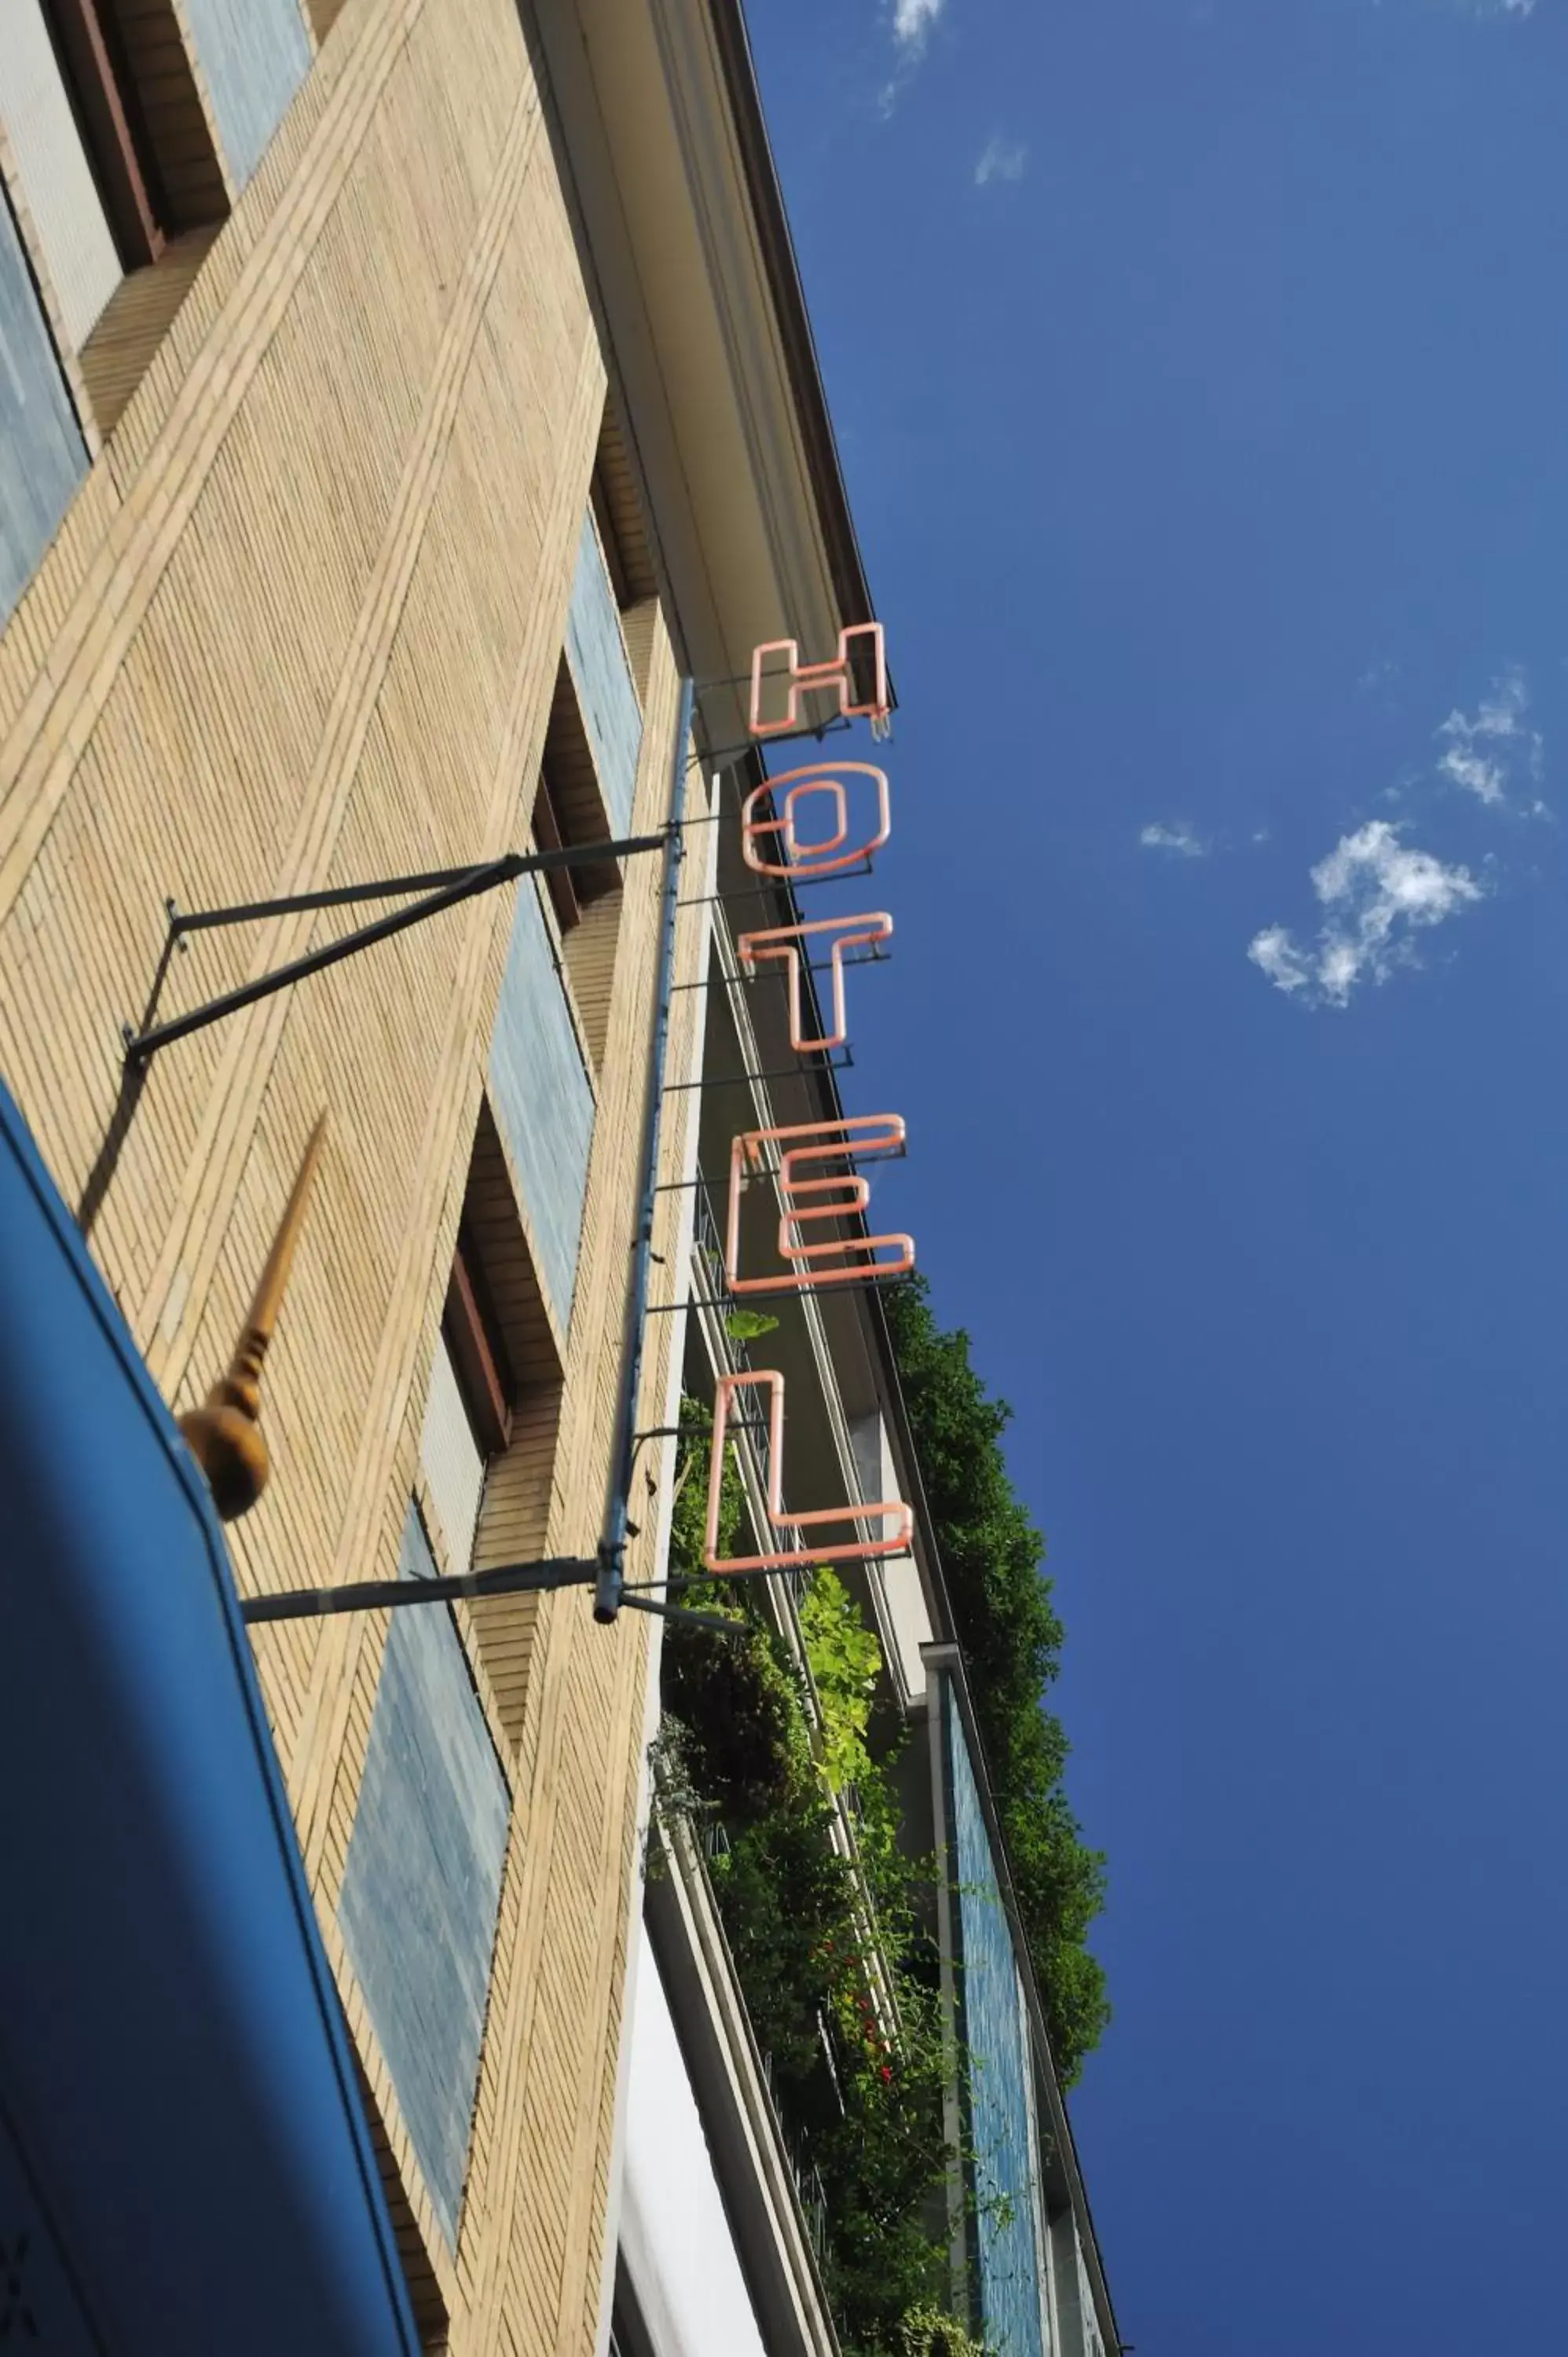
629 2336
102 94
548 835
471 1331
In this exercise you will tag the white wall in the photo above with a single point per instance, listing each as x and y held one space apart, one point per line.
1074 2300
675 2236
907 1619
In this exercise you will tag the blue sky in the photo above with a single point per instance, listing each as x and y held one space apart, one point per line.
1201 368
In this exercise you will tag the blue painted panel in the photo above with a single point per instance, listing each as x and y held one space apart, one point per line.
423 1880
995 2035
254 55
42 455
542 1098
595 656
180 2132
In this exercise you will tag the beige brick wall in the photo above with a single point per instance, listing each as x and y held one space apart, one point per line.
302 626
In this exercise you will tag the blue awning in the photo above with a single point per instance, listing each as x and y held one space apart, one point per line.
185 2164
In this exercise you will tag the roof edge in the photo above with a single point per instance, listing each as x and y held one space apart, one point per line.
777 246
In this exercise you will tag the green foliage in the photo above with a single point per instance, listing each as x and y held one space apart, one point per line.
1012 1641
689 1512
742 1739
845 1662
928 2333
737 1702
863 2103
749 1325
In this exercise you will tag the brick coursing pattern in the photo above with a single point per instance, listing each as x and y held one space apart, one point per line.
302 625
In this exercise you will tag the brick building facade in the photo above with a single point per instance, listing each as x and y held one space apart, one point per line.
343 539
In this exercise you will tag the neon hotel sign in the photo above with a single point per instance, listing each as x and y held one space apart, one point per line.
817 1163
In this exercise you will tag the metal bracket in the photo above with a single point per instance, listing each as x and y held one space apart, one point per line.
781 1292
726 755
719 979
832 1061
717 1622
444 888
772 890
506 1579
387 1595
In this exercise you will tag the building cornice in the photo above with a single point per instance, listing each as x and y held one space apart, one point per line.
852 590
661 148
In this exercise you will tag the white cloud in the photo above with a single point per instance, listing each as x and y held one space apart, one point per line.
1503 712
1378 893
1274 950
1179 838
1475 772
1482 755
912 22
1002 159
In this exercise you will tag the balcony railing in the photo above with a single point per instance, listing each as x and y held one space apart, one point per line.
809 2191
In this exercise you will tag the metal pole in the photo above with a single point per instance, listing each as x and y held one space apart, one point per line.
612 1552
379 1595
505 1580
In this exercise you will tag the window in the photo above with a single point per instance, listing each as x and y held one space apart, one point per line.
118 185
609 538
472 1330
549 836
488 1320
42 455
620 514
468 1414
423 1879
569 812
493 1417
599 665
540 1086
56 88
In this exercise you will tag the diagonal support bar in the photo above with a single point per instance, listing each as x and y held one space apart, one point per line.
450 887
